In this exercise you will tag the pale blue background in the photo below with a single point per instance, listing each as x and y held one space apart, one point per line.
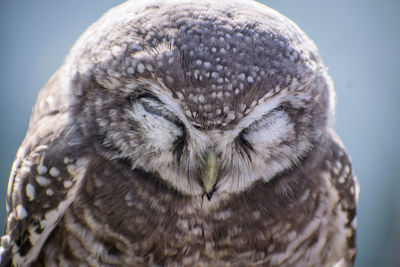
359 42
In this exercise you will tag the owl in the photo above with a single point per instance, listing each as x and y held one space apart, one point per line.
184 133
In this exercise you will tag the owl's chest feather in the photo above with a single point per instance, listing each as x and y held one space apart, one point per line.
168 229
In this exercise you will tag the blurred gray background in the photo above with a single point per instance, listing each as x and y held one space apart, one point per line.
359 42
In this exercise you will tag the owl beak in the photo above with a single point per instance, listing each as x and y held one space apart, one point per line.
209 173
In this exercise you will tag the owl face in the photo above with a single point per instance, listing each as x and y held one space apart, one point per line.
205 103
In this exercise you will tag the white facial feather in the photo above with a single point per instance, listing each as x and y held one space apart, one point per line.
264 132
159 131
274 129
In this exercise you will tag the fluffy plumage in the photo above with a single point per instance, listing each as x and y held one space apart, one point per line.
183 133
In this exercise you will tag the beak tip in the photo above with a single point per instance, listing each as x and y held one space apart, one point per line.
210 194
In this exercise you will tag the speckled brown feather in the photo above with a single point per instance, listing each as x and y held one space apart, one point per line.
241 230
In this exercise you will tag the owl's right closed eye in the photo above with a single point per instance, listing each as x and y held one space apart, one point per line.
184 133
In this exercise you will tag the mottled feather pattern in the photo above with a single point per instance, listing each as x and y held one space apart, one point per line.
93 220
348 188
39 194
111 170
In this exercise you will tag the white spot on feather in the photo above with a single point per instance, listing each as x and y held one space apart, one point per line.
41 169
49 192
42 181
201 98
130 71
347 170
54 172
241 77
141 68
21 212
214 74
30 192
67 184
250 79
71 168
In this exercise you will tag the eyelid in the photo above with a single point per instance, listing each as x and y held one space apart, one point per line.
144 94
157 110
255 125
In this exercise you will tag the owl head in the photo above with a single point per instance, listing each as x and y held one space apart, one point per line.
208 97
